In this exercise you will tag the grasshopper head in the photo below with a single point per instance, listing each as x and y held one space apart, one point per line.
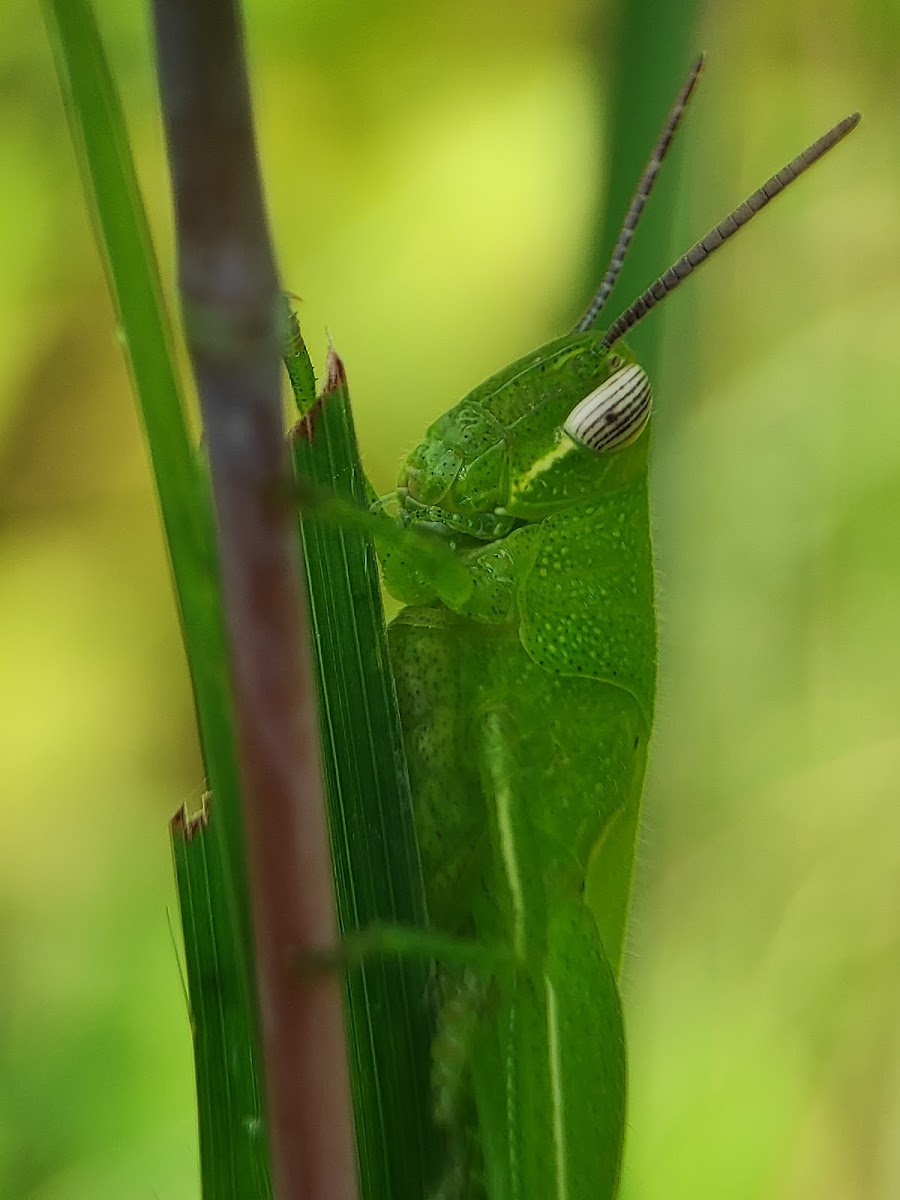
594 448
453 480
532 440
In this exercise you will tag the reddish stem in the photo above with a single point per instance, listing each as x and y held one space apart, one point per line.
229 292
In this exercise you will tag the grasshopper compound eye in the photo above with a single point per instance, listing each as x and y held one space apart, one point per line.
613 414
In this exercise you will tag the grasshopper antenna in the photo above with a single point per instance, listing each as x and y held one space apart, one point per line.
641 195
701 251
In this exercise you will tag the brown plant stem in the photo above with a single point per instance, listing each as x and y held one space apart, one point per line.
229 293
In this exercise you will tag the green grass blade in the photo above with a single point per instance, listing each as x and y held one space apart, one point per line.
377 872
234 1158
101 140
653 46
100 136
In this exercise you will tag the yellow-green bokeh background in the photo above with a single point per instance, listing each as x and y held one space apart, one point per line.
432 175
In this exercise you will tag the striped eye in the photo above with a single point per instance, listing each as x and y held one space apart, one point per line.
614 413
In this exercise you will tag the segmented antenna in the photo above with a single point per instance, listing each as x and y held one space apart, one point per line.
641 195
716 237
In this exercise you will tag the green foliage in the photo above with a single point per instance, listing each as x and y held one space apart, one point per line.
653 41
455 152
377 873
233 1152
210 868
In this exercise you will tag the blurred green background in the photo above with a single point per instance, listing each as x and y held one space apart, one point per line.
435 176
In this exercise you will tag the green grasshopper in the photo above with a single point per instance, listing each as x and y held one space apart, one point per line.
525 665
